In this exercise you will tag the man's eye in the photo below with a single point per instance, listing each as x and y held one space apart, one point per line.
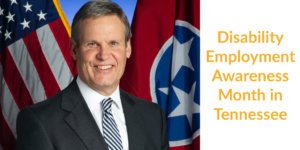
91 44
113 43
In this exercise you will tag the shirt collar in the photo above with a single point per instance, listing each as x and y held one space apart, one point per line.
93 98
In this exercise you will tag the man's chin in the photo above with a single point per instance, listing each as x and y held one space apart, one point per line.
105 87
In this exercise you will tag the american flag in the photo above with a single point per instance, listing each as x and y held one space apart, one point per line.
35 62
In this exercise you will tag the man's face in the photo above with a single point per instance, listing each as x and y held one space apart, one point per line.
101 52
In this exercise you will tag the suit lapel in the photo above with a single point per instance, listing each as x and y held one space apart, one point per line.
136 135
81 120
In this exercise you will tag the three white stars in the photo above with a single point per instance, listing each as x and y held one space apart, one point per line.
42 15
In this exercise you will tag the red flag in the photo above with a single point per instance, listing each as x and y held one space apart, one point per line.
165 65
35 58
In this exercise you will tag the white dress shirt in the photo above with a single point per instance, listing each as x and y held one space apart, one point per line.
94 99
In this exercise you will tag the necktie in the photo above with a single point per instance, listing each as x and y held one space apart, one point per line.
111 133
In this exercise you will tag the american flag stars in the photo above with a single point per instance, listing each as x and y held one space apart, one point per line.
10 17
25 24
1 11
42 15
27 7
7 35
19 16
14 2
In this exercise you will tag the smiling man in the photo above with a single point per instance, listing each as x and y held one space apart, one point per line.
93 113
101 51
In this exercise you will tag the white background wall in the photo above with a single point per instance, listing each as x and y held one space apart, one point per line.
280 17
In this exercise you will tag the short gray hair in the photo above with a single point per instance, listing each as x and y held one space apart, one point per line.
99 8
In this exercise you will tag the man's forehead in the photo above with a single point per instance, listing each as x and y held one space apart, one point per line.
102 16
93 18
82 28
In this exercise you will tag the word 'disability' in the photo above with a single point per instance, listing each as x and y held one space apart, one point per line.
250 37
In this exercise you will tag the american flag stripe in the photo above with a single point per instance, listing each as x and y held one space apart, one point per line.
13 132
62 39
14 81
42 67
54 57
7 139
28 72
10 109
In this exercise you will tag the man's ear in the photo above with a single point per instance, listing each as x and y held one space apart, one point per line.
128 49
73 47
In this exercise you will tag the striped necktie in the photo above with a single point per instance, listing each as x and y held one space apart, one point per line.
111 133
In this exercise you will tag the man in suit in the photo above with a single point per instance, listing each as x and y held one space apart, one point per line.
75 118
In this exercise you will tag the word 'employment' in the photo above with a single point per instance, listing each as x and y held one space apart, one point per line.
250 37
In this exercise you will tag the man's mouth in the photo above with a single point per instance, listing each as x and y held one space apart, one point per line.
104 67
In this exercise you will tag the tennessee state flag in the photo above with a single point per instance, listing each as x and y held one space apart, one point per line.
165 65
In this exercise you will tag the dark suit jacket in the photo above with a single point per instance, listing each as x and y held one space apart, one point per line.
64 122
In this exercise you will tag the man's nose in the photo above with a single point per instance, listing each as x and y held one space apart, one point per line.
103 52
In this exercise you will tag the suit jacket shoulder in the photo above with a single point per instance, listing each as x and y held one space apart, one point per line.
61 122
146 124
144 104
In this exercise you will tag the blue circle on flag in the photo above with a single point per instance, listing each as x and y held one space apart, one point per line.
176 84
